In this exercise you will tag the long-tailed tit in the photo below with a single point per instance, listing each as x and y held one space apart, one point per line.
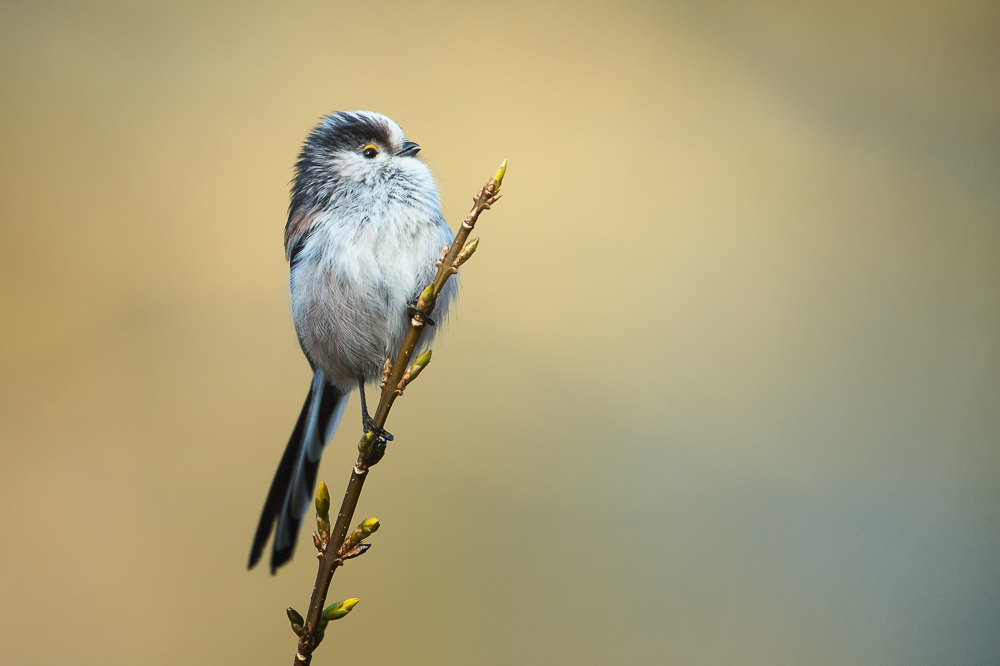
364 231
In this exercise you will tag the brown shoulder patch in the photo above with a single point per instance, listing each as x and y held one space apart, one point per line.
296 231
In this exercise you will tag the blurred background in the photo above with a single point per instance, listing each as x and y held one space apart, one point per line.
723 385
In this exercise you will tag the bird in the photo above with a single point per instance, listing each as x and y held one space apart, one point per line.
363 233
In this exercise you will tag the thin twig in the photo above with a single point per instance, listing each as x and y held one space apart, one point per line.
395 377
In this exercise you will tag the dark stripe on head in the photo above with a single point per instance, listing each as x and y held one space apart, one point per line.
347 130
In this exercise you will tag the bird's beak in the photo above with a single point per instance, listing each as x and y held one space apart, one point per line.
409 149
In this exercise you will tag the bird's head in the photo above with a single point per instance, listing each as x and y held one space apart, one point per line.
355 148
356 159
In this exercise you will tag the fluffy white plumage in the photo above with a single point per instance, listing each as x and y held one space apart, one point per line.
366 257
364 232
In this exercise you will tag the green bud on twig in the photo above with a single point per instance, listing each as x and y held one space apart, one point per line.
467 251
298 624
415 369
418 364
339 609
370 526
323 500
334 612
425 303
364 530
323 509
366 443
498 176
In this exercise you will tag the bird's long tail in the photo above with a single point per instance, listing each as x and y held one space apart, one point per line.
294 482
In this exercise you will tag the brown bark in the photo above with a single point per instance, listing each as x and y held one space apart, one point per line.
329 557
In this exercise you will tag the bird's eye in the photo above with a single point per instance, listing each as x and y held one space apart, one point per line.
370 151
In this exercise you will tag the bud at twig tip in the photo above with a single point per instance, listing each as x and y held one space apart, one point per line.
498 176
323 500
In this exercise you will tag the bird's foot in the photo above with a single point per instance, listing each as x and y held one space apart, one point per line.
412 310
381 433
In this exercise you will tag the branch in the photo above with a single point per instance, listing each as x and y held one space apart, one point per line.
395 378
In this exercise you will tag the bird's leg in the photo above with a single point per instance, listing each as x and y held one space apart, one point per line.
367 422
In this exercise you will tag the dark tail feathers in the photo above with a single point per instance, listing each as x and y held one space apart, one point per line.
292 488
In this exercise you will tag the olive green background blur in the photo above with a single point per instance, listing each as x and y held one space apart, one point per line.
723 385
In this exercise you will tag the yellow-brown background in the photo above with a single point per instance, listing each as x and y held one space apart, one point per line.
723 386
